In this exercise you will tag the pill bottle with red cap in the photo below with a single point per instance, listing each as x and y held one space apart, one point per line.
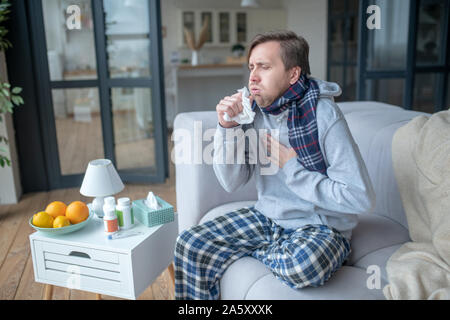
110 218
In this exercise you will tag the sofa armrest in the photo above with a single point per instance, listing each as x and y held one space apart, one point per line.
197 188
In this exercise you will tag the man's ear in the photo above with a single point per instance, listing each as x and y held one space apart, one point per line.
295 74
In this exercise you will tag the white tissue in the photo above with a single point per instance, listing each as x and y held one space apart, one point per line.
152 202
247 115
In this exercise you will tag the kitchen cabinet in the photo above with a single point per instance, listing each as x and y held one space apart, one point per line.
226 27
200 88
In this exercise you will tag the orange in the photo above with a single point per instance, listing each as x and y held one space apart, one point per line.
77 212
56 208
61 221
43 220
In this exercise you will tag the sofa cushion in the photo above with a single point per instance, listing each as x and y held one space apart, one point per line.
240 276
373 125
249 279
367 119
348 283
225 208
378 258
375 232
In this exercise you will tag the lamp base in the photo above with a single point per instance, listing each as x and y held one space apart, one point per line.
97 207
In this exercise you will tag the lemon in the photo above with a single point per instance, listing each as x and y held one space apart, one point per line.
61 221
43 220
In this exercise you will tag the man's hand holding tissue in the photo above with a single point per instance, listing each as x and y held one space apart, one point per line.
231 106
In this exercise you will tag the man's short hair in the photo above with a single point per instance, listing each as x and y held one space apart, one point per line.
294 48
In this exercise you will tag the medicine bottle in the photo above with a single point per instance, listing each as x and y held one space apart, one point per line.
110 217
125 213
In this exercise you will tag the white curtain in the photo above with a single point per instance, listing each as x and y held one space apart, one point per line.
387 47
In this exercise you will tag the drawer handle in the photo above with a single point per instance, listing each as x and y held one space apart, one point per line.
79 254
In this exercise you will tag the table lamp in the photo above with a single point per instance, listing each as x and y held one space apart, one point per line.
100 180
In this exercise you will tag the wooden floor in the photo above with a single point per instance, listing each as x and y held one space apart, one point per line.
16 267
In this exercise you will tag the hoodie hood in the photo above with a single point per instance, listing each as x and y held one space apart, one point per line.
328 89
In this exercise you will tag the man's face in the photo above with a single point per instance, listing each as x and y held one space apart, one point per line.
268 77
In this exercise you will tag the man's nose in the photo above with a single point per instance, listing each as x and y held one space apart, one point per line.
254 78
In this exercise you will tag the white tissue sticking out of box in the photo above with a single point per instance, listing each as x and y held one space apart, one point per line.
151 201
247 115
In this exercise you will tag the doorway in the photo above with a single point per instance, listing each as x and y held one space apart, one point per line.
100 87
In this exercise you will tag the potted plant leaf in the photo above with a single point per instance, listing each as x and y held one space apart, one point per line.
238 50
9 97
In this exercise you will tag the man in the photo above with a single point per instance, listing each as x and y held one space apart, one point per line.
300 226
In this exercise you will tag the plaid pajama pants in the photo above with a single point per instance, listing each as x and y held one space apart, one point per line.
307 256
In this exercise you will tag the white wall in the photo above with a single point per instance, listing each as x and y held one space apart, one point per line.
310 20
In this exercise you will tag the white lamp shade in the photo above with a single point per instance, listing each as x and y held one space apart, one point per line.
101 179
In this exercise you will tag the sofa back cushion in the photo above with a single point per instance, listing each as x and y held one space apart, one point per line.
373 125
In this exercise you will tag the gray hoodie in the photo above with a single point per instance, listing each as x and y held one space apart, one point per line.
294 196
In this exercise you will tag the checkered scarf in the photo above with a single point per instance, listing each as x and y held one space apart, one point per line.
301 99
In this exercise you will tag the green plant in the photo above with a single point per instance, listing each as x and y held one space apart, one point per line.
238 47
238 50
4 15
9 97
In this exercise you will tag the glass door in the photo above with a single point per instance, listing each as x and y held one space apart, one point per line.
100 87
383 54
407 61
431 52
132 69
343 46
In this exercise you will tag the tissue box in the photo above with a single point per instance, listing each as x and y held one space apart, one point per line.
151 218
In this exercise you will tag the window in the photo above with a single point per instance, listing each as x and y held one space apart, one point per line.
343 46
208 16
188 23
241 18
224 27
411 48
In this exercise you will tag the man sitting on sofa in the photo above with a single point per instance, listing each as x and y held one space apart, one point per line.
300 227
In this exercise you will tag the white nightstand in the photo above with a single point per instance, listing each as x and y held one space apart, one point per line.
86 260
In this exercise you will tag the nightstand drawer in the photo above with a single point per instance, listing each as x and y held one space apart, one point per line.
74 252
82 268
